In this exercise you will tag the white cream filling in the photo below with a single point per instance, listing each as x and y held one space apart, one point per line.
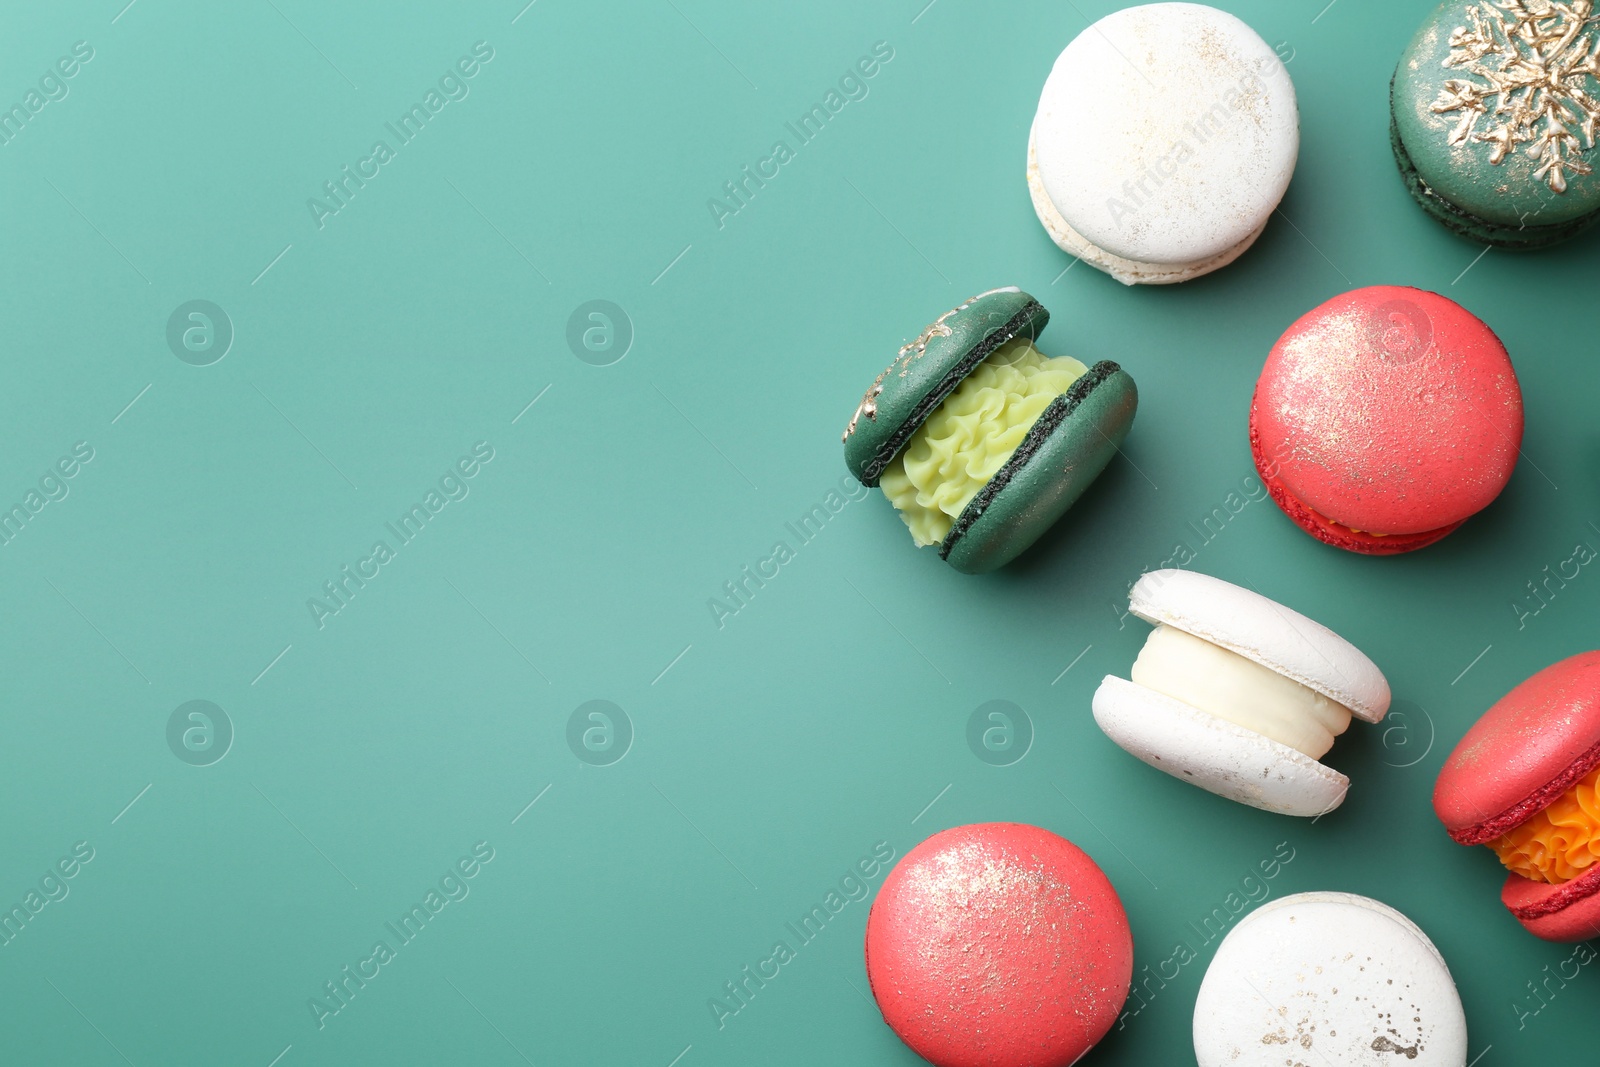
1239 690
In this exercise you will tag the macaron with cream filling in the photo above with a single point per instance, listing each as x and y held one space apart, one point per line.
1238 694
980 440
1525 781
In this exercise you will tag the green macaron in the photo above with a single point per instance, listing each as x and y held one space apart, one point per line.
1494 113
980 440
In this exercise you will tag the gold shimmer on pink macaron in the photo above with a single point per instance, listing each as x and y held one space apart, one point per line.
1524 780
1386 412
998 943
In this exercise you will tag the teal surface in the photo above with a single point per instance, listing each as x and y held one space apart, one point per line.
365 753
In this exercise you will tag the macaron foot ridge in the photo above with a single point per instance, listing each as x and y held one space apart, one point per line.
1325 529
1465 224
1527 899
1534 748
1537 801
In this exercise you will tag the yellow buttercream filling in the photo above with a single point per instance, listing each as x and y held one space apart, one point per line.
1560 842
972 435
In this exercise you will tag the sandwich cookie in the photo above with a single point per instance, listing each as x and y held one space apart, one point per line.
1165 138
1494 111
1385 418
979 439
998 945
1525 780
1328 978
1238 694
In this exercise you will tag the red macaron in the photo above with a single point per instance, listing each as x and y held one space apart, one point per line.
1525 780
999 945
1385 418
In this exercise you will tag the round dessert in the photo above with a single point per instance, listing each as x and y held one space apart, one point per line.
1165 138
1525 780
979 439
1385 418
1328 978
1494 112
1238 694
998 945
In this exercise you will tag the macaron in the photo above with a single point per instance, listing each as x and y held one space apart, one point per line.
980 440
1495 108
1385 418
1525 780
1238 694
1165 137
1328 978
998 945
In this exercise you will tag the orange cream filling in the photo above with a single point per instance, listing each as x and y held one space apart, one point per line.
1560 842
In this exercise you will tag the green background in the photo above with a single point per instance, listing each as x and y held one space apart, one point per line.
771 753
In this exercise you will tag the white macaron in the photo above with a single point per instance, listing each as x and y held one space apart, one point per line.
1165 138
1330 978
1238 694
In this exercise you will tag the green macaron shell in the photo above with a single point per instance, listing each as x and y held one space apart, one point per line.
1523 200
1471 227
928 369
1067 448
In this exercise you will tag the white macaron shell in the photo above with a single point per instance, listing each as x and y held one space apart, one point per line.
1126 271
1167 133
1328 978
1257 628
1231 761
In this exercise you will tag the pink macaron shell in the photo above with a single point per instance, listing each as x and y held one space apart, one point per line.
998 945
1566 912
1326 530
1389 410
1526 750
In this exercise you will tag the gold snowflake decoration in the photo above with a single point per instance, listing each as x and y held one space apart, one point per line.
1531 62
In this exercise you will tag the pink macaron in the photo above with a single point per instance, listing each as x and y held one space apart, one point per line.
1525 780
1385 418
999 945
